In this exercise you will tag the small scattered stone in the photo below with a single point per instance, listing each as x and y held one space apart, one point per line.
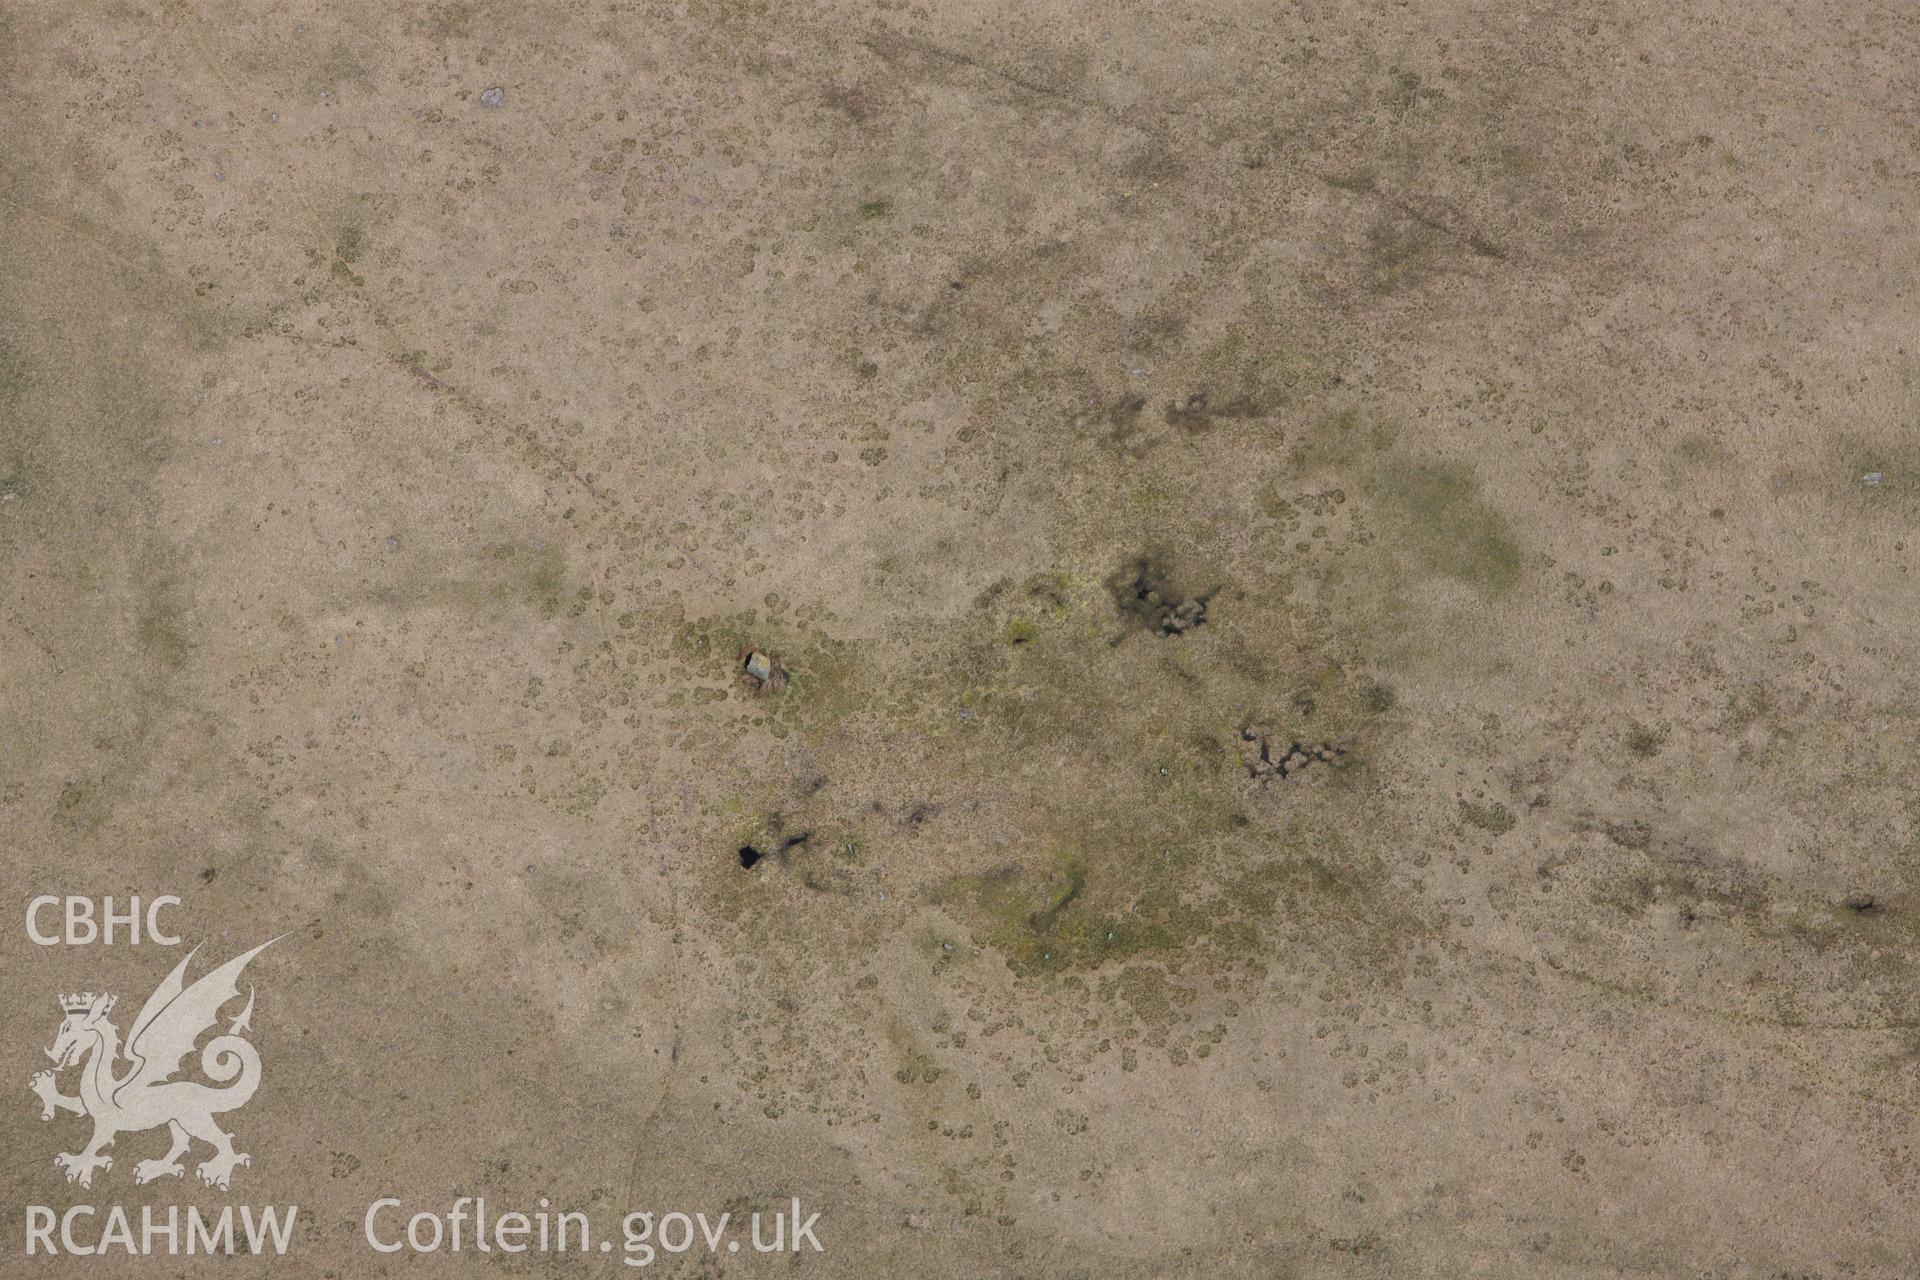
1142 591
1861 903
1266 760
1872 479
1183 617
493 97
760 671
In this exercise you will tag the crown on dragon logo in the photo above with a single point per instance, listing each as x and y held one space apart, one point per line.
81 1002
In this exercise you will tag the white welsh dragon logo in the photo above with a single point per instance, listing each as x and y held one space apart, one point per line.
146 1096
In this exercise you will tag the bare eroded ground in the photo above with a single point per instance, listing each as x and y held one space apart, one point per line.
1343 573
